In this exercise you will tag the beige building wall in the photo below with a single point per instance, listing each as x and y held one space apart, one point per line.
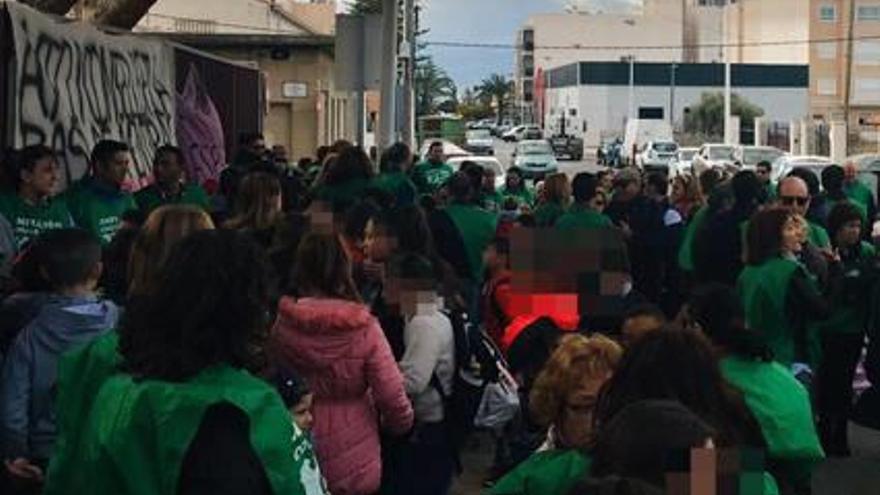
755 25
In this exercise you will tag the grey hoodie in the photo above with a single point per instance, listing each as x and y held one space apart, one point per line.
27 389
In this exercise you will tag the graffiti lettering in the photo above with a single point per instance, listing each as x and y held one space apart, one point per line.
76 86
199 130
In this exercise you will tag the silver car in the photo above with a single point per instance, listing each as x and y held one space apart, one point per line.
535 158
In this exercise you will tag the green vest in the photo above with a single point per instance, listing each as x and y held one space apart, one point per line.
579 217
552 472
137 434
477 227
97 209
150 198
29 221
860 193
818 236
763 290
548 214
492 201
396 184
782 407
428 177
685 252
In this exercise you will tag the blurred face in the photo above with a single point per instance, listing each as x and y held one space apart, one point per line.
116 169
489 180
258 146
793 235
514 181
677 192
492 259
42 181
409 296
168 169
576 429
794 195
435 154
850 172
849 234
606 182
598 202
302 413
378 246
763 174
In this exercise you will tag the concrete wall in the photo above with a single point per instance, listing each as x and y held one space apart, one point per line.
605 108
767 21
228 16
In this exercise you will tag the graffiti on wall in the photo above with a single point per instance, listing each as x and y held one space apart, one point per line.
76 85
199 130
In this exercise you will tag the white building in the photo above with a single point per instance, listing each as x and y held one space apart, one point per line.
593 97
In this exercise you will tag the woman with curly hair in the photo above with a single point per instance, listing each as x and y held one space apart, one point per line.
562 400
170 398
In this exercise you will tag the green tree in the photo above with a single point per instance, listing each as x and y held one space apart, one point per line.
360 7
707 117
498 89
434 89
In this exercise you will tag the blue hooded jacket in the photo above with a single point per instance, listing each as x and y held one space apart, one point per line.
27 390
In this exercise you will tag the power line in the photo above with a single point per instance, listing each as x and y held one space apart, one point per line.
513 46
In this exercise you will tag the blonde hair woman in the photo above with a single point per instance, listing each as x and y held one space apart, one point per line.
164 227
556 198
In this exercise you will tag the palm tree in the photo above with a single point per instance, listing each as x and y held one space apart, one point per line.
360 7
434 88
496 88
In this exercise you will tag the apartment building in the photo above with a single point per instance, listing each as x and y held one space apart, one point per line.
547 41
835 61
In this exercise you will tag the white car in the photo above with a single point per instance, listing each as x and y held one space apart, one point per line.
450 149
487 162
535 158
785 164
713 156
656 155
751 156
523 132
479 142
682 162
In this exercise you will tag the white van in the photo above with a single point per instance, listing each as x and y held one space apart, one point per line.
641 131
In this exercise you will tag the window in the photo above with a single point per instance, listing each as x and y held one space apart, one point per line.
826 86
867 52
866 90
868 13
826 50
828 13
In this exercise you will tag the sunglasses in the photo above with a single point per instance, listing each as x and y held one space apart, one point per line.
792 200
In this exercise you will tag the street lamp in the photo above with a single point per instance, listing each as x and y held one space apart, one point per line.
632 75
672 70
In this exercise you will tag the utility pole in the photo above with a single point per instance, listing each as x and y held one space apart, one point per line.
728 131
847 89
408 50
388 79
632 87
672 69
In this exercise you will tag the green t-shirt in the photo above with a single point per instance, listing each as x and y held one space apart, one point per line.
477 227
818 236
782 407
685 252
523 195
860 193
579 217
428 177
30 220
548 214
492 201
98 208
552 472
151 197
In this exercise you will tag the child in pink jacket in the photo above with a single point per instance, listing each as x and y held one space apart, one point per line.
333 341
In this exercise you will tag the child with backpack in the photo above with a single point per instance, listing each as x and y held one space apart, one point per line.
72 316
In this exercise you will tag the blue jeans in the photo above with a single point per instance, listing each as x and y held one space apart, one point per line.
422 464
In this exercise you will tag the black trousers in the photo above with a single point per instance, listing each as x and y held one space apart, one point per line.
840 356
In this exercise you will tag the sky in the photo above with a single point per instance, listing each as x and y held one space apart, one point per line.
485 21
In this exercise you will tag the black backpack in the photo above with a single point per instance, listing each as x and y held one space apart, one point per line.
478 362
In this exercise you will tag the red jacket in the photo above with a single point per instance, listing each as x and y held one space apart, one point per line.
561 308
496 305
339 349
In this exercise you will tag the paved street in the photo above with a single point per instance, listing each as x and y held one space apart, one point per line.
504 153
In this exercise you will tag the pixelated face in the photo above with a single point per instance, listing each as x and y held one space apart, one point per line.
794 234
577 417
435 154
378 245
115 170
43 179
168 168
849 234
410 296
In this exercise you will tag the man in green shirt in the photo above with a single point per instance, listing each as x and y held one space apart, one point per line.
97 202
34 209
585 213
429 175
169 187
763 170
860 193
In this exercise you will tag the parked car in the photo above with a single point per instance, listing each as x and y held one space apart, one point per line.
487 162
568 145
656 155
608 153
500 129
682 163
479 142
535 158
450 149
523 132
713 156
750 156
786 163
639 132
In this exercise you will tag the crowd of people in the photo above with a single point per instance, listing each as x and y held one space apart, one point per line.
311 328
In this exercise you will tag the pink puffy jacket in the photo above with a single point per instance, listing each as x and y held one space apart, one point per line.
341 352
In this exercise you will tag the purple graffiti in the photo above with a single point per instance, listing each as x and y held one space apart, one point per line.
199 130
